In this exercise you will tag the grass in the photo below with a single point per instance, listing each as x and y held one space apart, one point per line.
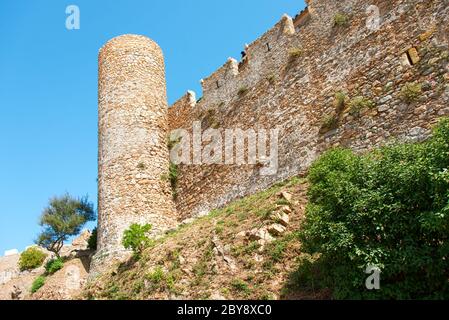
277 248
240 286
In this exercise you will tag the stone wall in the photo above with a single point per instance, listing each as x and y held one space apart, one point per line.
289 80
133 154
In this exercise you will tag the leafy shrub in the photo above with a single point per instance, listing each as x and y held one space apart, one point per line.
31 258
341 20
136 238
54 265
411 92
389 209
92 242
358 104
329 122
295 53
37 284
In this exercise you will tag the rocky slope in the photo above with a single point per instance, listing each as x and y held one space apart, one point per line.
247 250
63 285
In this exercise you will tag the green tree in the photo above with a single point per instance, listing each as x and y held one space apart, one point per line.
64 217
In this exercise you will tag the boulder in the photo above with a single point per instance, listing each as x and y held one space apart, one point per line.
276 229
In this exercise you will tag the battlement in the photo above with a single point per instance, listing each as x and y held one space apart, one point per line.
272 51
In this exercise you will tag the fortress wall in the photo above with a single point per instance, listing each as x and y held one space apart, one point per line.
296 95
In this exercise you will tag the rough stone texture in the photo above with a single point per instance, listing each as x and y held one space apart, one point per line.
133 153
288 80
296 93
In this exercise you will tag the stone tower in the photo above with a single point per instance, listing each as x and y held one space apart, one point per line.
133 154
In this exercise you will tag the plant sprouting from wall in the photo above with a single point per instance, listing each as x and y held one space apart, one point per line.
172 177
340 101
411 92
242 91
329 122
341 19
358 104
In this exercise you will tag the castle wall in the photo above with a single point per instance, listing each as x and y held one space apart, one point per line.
133 153
289 81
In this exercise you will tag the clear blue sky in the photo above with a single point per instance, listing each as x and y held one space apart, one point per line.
48 85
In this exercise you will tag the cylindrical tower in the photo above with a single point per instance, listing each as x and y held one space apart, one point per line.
133 154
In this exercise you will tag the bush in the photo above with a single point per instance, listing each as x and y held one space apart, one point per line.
37 284
389 209
54 265
329 122
92 242
340 19
136 238
411 92
31 258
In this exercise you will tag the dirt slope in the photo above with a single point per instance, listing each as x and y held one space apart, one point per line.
247 250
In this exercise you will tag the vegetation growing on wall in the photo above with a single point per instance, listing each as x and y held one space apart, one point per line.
341 19
358 104
411 92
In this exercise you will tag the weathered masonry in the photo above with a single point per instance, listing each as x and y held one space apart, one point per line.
352 73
